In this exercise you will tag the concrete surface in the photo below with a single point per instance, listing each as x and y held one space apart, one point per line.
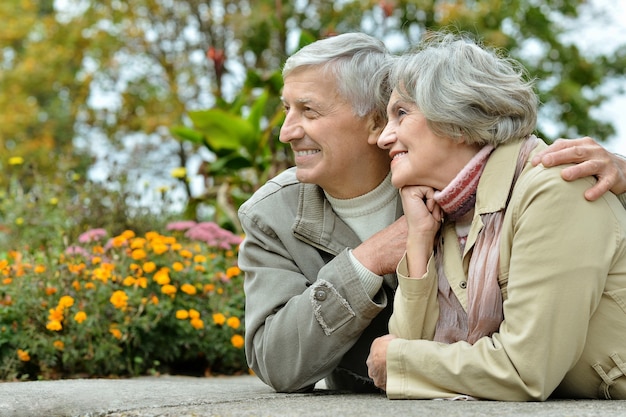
175 396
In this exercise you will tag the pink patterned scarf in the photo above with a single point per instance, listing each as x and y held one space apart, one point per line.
484 297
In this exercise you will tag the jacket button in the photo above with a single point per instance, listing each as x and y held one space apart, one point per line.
463 284
320 295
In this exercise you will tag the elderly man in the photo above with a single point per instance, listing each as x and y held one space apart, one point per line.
323 238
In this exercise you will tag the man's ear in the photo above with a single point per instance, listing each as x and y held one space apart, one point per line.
376 125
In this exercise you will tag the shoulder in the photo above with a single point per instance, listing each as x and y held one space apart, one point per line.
276 192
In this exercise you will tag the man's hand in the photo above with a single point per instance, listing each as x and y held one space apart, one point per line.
590 159
377 360
382 252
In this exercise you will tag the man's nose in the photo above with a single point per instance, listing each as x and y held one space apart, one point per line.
291 129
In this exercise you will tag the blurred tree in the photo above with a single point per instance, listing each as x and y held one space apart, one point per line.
78 73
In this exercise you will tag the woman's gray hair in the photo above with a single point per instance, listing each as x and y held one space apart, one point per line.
360 65
466 91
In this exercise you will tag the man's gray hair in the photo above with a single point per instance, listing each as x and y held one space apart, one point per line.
467 91
360 65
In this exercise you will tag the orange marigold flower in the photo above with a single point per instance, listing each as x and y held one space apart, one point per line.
194 314
159 248
23 355
149 267
80 317
129 281
58 345
39 269
119 299
233 322
168 289
142 282
162 276
76 285
186 253
154 300
50 290
220 291
237 341
138 243
178 266
209 287
96 260
219 319
188 289
7 281
177 246
54 325
182 314
116 333
90 286
197 323
98 250
229 253
233 271
199 258
199 268
66 301
138 254
56 314
128 234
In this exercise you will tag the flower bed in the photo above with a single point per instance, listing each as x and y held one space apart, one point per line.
125 305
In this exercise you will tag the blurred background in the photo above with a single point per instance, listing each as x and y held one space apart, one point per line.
122 114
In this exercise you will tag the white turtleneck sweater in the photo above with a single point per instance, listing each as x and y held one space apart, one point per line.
366 215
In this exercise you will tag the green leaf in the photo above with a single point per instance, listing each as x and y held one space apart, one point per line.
222 130
188 134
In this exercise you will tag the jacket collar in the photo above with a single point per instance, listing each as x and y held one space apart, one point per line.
317 224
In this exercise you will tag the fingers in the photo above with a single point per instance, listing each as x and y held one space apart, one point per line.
565 151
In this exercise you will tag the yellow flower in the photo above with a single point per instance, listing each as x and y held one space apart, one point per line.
142 282
23 355
194 314
233 271
119 299
199 258
197 323
40 269
19 221
96 260
54 325
129 281
116 333
186 253
55 314
179 172
168 289
58 345
182 314
53 201
80 317
219 319
16 160
138 254
233 322
162 276
177 266
149 267
237 341
188 289
159 248
66 301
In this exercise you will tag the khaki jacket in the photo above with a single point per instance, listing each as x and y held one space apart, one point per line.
307 316
563 277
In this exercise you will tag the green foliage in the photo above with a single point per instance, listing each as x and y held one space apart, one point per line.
134 305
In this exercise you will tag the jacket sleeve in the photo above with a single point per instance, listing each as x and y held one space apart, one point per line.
303 311
557 250
415 306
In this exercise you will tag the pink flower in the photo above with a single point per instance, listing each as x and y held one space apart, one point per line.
181 225
213 235
92 235
77 250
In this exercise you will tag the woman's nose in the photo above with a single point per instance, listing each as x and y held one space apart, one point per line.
387 137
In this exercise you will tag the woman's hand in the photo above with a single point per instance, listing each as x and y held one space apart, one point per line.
424 218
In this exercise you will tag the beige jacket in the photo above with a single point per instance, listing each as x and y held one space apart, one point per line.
563 277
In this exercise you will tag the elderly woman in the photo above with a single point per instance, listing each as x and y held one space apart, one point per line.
512 286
